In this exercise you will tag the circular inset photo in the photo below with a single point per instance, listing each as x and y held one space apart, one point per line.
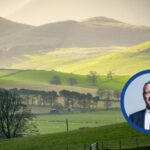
135 101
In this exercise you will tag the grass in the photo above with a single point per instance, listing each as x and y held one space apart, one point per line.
5 72
57 123
121 61
75 140
33 77
59 57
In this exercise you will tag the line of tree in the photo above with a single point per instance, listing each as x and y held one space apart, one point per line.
50 98
83 100
41 98
108 94
71 99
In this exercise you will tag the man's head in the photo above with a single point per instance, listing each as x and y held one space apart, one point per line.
146 94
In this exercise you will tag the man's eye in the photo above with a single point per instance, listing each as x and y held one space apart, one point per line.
147 92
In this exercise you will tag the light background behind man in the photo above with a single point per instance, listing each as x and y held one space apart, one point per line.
142 117
133 99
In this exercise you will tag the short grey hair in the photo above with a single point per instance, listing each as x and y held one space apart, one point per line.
145 87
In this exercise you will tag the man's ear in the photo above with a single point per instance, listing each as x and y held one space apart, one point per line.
144 95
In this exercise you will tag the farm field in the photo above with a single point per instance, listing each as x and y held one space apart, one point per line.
41 80
57 58
120 61
57 123
110 135
66 70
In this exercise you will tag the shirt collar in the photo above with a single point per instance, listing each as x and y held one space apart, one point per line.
147 111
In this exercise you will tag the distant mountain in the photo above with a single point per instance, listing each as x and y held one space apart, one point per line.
101 20
8 28
18 39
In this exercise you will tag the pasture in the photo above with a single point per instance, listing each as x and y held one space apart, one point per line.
110 135
121 61
51 123
40 79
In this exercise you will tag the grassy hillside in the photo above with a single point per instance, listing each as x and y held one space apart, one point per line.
59 57
121 61
127 61
6 72
75 140
41 79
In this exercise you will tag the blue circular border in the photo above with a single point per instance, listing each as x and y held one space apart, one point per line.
122 100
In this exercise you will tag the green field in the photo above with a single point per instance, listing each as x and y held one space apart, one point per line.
5 72
57 123
42 78
84 128
121 61
111 135
58 57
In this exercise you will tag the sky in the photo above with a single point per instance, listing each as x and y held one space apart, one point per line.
38 12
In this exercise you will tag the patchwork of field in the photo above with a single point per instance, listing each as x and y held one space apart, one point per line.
120 61
35 67
57 123
40 80
124 62
59 57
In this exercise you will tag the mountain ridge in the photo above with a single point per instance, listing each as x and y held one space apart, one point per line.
8 27
18 40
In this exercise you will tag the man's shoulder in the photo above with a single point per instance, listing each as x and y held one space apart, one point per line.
138 113
138 118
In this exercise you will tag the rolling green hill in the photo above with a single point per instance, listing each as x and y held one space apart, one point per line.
59 57
7 72
75 140
120 61
125 62
41 79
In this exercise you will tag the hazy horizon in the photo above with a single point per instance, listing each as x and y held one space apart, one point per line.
37 12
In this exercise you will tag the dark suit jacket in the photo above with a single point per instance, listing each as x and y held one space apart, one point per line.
138 118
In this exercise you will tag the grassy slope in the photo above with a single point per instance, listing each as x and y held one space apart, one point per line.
5 72
43 78
59 57
75 139
120 61
127 61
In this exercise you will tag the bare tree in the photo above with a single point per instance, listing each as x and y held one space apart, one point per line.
56 80
92 76
117 94
110 75
14 115
100 93
108 101
72 81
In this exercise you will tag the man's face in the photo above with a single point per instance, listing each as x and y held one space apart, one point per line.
147 96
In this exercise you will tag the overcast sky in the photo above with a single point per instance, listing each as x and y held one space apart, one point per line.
37 12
